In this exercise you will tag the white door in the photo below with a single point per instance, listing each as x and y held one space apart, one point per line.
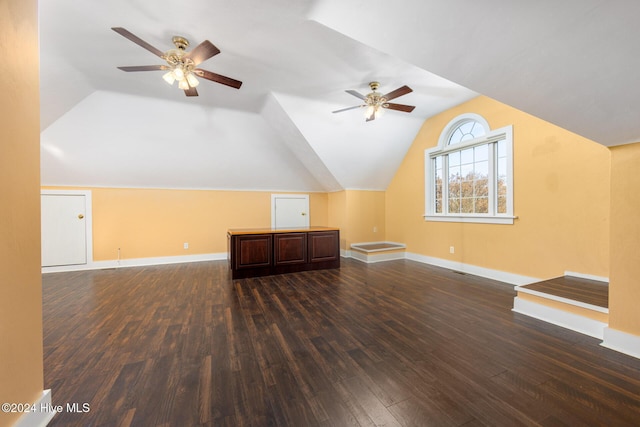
64 233
289 211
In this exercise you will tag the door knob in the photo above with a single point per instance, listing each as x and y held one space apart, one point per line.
303 213
80 216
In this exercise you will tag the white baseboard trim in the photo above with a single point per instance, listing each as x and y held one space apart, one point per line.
137 262
587 276
42 414
623 342
438 262
576 323
501 276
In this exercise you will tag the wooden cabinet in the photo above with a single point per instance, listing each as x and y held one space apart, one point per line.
261 252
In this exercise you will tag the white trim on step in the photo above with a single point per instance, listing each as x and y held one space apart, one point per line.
137 262
577 323
393 246
379 257
623 342
40 417
562 300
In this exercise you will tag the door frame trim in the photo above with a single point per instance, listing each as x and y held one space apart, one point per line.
287 196
88 215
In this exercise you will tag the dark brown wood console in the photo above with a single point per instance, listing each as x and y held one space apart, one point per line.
262 252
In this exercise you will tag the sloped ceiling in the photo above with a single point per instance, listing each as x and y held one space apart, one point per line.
571 63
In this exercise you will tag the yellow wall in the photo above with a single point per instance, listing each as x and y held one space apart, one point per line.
561 198
357 213
624 289
146 223
21 371
319 209
365 210
338 214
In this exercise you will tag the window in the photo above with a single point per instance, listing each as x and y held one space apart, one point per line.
469 176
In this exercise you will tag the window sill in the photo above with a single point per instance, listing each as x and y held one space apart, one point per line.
471 219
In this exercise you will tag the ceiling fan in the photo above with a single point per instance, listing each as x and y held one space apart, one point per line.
181 65
375 102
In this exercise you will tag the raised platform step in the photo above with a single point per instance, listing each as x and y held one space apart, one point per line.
377 251
571 302
575 289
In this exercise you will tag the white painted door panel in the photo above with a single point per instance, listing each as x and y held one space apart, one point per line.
290 211
64 234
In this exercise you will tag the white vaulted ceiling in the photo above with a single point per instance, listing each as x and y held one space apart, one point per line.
573 63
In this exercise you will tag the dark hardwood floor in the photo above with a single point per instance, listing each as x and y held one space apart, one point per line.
394 343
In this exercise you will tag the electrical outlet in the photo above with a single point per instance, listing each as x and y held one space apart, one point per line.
452 250
186 245
375 229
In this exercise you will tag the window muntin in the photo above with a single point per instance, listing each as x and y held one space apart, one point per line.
468 180
469 176
465 131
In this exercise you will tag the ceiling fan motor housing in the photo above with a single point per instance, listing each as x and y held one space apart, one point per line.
374 99
180 42
175 57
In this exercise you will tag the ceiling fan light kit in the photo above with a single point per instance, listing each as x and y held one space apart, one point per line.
375 102
181 65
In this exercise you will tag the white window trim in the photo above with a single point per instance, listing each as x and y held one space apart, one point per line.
453 125
504 133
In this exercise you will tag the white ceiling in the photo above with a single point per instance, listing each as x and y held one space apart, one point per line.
573 63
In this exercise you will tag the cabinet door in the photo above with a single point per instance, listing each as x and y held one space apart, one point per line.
252 250
290 248
324 246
